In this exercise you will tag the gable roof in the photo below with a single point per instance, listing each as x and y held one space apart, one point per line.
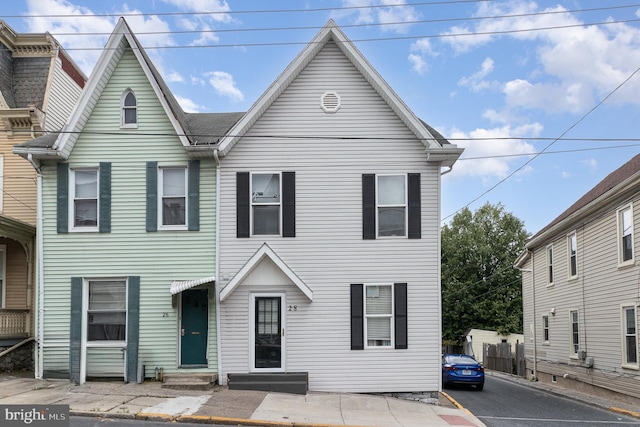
437 147
612 185
264 252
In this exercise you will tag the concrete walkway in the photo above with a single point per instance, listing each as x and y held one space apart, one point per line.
233 407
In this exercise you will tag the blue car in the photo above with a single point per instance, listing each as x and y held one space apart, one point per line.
462 369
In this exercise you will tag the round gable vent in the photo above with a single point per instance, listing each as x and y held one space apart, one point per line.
330 102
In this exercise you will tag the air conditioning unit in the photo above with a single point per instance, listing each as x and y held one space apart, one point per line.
582 354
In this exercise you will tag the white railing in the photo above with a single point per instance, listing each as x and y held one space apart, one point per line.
14 323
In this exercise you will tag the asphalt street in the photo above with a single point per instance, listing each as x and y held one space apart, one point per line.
504 403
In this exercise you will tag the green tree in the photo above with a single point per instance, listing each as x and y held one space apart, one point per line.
480 287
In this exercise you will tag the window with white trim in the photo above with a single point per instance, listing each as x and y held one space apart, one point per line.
129 115
575 332
265 203
3 275
172 184
629 336
572 250
1 181
545 329
107 310
84 199
550 265
391 201
378 315
625 235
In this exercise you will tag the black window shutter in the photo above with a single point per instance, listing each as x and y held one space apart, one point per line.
152 196
357 317
133 327
63 198
105 197
242 204
75 330
415 226
400 315
288 204
368 206
194 195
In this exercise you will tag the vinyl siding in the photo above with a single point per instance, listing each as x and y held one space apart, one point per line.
328 252
19 181
128 250
16 272
61 98
597 293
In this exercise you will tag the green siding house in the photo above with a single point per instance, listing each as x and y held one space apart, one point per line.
127 228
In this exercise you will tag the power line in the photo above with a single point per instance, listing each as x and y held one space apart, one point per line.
378 24
377 39
569 129
263 11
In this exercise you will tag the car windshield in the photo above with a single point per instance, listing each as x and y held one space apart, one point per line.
461 360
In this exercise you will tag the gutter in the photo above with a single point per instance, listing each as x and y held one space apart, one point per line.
39 320
519 262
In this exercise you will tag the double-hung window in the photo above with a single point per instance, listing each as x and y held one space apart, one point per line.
84 199
107 310
172 184
629 336
378 315
391 203
3 275
575 332
265 203
550 265
625 235
545 329
391 206
129 117
572 249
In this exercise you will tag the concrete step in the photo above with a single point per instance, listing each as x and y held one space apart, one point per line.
190 381
282 382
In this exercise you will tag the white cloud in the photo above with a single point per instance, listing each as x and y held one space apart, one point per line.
488 150
418 64
396 12
578 65
591 163
188 105
174 77
224 85
207 14
476 81
68 20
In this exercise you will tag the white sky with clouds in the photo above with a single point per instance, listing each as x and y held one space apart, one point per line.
473 70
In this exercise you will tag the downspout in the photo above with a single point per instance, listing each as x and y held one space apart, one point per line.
221 380
39 320
535 338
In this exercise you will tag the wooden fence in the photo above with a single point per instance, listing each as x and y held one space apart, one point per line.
500 357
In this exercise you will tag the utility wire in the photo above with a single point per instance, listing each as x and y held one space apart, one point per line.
368 25
569 129
377 39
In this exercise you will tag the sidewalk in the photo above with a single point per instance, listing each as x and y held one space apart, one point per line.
233 407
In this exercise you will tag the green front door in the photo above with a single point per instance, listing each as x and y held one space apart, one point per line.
194 331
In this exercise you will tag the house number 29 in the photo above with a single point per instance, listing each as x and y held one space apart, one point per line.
293 308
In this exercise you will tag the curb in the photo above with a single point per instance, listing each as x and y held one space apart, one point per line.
457 405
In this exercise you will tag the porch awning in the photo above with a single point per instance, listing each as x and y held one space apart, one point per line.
178 286
16 230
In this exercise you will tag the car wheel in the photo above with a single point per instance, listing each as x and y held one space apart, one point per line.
479 387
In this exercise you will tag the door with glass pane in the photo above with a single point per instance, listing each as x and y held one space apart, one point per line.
267 333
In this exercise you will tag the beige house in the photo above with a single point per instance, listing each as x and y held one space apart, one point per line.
39 85
581 292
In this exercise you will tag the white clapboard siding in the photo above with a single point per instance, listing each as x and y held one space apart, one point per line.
62 96
328 252
128 250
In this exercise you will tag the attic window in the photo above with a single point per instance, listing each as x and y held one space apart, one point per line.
330 102
129 116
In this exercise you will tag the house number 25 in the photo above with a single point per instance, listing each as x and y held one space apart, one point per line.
293 308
